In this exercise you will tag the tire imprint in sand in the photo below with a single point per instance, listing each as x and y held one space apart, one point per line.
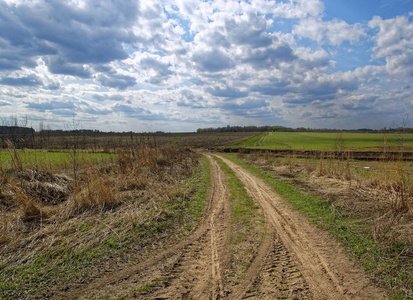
198 274
321 261
279 278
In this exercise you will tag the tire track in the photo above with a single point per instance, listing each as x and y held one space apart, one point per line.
154 268
280 278
327 271
199 274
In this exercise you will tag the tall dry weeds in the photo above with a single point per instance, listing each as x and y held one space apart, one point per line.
97 193
3 230
14 155
29 209
33 200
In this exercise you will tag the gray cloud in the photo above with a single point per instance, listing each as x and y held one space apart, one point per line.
251 33
57 65
275 88
117 81
189 99
227 92
212 61
245 105
71 35
31 80
106 97
270 57
55 106
162 70
138 112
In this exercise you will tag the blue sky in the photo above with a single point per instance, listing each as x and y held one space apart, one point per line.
120 65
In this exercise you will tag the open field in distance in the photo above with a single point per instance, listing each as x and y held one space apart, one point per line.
328 141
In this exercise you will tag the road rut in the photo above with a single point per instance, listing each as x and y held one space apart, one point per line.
314 260
293 260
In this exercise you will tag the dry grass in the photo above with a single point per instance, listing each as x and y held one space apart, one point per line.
394 177
49 223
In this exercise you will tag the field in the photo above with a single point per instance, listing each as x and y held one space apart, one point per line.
49 161
148 216
107 142
329 141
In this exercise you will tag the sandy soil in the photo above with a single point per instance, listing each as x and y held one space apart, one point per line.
316 266
294 260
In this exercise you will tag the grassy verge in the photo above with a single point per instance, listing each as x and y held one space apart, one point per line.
383 263
74 250
247 225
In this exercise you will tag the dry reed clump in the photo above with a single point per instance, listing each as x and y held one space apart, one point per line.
98 192
44 187
29 210
395 179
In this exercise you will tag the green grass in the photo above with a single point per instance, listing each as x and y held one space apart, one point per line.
384 263
324 141
40 160
243 208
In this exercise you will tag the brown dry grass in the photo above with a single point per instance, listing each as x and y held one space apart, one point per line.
64 224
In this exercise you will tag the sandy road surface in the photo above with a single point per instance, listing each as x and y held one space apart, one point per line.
315 266
293 260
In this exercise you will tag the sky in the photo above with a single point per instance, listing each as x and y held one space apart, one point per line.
179 65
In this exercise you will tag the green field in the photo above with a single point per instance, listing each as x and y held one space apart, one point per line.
327 141
42 160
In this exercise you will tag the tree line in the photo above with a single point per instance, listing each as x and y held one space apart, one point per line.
229 128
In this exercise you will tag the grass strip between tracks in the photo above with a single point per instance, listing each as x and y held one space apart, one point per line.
247 225
383 263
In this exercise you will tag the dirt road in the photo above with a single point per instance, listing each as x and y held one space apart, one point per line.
293 260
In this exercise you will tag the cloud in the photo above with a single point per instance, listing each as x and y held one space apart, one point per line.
57 65
138 112
190 99
251 32
58 107
227 92
298 9
162 70
360 103
31 80
275 87
108 97
244 107
117 81
394 43
334 32
212 61
269 57
68 35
